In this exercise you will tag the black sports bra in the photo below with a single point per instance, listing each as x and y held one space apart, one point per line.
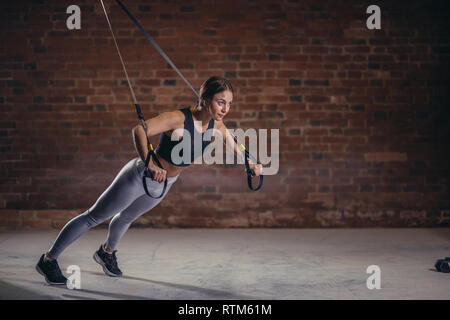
165 145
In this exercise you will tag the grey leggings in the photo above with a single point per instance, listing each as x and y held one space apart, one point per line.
125 199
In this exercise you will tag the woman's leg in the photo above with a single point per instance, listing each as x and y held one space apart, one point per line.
122 192
122 221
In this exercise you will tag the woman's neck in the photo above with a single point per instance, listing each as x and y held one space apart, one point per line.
202 115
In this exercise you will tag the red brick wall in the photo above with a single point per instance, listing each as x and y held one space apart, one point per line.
363 114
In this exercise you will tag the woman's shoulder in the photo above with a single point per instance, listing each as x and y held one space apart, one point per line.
182 113
175 117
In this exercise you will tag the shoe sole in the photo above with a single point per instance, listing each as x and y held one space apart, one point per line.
105 270
38 269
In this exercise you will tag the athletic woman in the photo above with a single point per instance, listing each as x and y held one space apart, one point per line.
125 199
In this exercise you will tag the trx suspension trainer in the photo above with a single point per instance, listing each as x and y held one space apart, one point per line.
151 153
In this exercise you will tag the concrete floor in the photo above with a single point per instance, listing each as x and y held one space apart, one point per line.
236 264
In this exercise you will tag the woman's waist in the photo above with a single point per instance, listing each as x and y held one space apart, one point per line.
172 170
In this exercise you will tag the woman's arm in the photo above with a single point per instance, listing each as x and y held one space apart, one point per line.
163 122
228 141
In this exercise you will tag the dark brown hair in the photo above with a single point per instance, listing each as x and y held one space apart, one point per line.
210 87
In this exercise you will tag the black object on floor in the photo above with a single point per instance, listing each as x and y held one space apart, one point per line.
443 265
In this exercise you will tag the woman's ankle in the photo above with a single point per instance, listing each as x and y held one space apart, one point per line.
48 257
107 249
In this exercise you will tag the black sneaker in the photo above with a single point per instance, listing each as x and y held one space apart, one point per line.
108 261
51 271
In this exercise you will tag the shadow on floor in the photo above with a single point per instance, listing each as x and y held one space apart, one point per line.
9 291
70 296
212 293
108 295
17 293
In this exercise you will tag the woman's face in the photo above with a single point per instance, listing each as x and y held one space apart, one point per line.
220 104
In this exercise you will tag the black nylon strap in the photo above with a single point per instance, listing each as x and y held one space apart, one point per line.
151 153
251 173
147 173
